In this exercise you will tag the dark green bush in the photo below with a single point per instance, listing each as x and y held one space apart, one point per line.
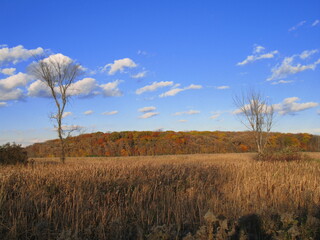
287 154
12 154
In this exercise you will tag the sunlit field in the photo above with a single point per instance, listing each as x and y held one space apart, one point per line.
207 196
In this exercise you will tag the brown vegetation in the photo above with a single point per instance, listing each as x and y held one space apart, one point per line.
163 143
163 197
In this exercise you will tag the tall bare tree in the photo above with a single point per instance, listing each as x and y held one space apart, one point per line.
58 73
257 115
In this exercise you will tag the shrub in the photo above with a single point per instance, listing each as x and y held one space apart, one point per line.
12 154
287 154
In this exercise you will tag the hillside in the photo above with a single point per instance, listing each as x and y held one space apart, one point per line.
138 143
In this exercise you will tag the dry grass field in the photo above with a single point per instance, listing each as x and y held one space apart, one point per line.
207 196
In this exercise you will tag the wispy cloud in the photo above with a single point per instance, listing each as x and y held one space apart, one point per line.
295 27
110 113
215 116
3 104
222 87
282 82
287 67
315 23
154 86
89 112
175 91
66 114
119 65
190 112
147 109
257 55
139 75
148 115
182 120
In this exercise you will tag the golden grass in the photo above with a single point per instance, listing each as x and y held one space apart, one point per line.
125 197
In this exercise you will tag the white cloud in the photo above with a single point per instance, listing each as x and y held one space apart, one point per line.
8 71
3 104
215 116
258 49
281 82
307 53
89 112
315 23
12 94
154 86
38 89
66 114
256 56
111 89
84 87
290 106
119 65
141 52
222 87
139 75
70 128
175 91
20 79
149 115
17 54
147 109
297 26
182 120
190 112
110 113
287 67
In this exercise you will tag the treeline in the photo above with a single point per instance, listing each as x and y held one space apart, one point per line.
136 143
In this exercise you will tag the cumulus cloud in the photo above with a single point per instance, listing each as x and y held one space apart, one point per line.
315 23
175 91
147 109
110 113
89 112
3 104
190 112
66 114
18 80
70 128
119 65
257 55
111 89
84 87
287 67
154 86
148 115
8 71
222 87
17 54
291 106
295 27
139 75
11 94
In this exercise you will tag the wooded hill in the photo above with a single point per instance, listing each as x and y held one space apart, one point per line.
136 143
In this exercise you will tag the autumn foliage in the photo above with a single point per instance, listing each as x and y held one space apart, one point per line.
135 143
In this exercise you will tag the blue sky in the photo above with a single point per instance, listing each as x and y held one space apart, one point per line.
170 65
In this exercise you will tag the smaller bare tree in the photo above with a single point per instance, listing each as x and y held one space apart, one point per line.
58 73
257 115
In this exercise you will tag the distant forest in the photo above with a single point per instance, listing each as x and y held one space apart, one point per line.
138 143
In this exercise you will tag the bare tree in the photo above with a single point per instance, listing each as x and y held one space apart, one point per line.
58 73
257 115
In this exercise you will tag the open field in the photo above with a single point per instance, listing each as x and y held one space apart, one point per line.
161 197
